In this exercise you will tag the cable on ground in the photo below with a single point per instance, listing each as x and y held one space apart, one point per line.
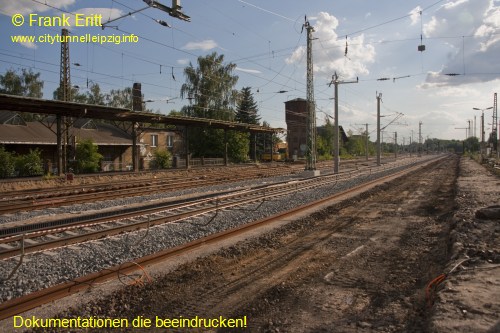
135 279
431 288
15 269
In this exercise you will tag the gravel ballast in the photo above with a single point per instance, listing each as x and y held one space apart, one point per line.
45 269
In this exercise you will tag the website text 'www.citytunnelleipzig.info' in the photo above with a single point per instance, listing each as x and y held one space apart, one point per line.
86 38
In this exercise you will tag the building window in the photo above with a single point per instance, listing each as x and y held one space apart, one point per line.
154 140
170 141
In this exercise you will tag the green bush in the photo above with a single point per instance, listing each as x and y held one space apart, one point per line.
87 157
162 159
7 167
29 165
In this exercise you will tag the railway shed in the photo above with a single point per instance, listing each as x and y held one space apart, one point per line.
61 115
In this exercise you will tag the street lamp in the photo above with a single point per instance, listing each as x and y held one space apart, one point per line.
482 120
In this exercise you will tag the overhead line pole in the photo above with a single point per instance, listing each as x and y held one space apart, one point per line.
335 81
379 97
419 139
311 112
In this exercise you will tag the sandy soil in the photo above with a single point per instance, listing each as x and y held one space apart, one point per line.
358 266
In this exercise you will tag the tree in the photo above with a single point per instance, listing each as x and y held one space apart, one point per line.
87 157
6 163
76 96
210 88
26 84
30 164
471 144
162 159
324 140
94 96
356 145
238 146
246 111
120 98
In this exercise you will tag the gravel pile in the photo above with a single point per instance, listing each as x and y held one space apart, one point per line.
41 270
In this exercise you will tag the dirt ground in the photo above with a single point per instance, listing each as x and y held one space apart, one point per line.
469 300
359 266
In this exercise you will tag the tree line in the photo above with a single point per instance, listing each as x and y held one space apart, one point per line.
210 90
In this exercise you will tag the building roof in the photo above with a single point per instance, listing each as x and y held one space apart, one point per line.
10 117
298 99
79 110
36 133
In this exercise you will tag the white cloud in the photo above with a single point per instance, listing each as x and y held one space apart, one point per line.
415 15
203 45
23 7
184 61
330 51
477 57
457 18
29 45
245 70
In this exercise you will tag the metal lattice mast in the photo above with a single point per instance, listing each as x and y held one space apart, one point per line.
65 81
64 95
311 112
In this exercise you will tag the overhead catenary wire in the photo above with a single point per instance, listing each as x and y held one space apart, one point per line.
274 80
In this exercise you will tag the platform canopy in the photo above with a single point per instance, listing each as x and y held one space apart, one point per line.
79 110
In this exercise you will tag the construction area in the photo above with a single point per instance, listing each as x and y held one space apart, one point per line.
414 251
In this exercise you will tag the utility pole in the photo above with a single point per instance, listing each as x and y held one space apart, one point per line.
379 97
366 134
494 128
311 112
396 144
475 125
411 138
336 142
419 139
64 95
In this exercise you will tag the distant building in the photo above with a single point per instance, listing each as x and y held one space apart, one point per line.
296 126
152 139
296 123
19 136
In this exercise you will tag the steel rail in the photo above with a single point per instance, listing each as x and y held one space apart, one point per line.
14 201
219 202
30 301
77 195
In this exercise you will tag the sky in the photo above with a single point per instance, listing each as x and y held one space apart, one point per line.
360 40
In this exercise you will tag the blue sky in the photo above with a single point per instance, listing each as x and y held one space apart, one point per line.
264 40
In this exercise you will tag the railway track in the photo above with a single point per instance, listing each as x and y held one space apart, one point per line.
15 201
232 200
28 238
25 200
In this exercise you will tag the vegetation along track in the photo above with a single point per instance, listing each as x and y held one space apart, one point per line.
29 301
